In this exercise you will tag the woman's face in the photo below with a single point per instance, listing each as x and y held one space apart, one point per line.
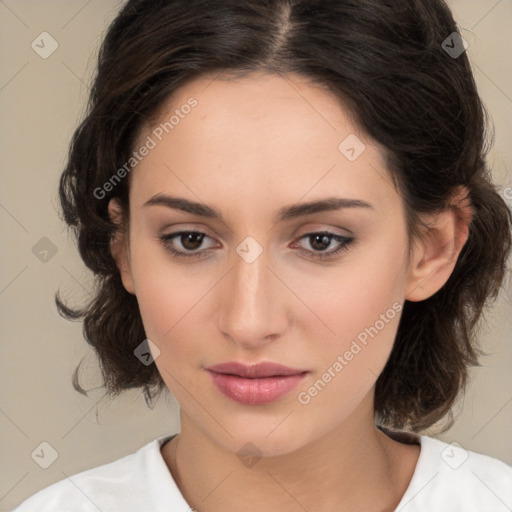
257 289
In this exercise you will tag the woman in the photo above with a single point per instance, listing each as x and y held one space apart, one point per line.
295 232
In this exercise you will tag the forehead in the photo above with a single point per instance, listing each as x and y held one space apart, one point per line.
270 135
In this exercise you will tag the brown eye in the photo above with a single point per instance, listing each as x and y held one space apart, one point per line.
190 242
321 240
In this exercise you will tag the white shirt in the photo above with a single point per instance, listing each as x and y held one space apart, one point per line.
447 478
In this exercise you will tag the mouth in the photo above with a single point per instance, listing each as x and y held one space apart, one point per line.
257 384
255 371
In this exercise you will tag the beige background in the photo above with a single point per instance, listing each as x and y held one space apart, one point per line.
42 101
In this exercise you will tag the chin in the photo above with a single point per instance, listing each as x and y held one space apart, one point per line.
263 442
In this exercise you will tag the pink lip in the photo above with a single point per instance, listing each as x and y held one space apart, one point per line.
256 384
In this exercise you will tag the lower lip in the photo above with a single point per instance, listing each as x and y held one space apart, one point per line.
255 391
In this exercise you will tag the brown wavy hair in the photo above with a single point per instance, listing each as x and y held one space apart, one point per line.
385 60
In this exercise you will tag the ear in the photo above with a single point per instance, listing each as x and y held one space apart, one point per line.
435 255
119 247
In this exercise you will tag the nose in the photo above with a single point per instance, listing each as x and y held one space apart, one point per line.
253 303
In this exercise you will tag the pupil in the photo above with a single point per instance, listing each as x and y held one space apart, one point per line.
324 240
192 237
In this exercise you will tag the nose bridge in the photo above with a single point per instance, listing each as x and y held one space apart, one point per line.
250 312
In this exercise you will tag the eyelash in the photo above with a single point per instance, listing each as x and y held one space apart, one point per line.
343 240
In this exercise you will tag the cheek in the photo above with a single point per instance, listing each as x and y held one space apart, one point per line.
358 304
167 312
170 298
361 303
165 290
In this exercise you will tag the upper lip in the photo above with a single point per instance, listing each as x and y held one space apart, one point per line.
264 369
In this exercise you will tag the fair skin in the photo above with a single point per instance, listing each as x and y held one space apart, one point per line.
250 147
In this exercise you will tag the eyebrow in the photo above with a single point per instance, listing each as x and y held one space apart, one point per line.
285 213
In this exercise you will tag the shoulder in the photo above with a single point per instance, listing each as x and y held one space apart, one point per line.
448 477
136 482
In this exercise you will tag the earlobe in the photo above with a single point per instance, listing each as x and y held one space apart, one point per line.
435 255
119 247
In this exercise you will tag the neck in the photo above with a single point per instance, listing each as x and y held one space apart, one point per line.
353 467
